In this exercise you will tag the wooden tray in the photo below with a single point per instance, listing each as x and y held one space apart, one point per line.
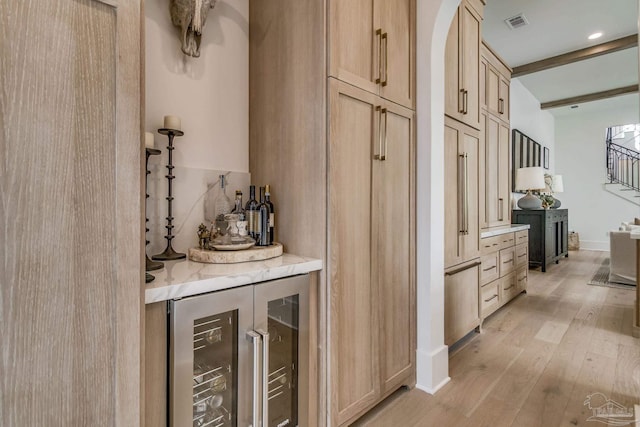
255 253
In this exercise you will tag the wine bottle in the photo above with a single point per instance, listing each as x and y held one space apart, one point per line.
251 211
262 232
272 213
242 218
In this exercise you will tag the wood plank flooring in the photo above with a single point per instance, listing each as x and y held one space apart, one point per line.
537 360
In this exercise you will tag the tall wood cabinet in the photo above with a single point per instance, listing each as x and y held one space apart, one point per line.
495 176
339 153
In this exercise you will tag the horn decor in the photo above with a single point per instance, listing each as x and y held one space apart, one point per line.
190 16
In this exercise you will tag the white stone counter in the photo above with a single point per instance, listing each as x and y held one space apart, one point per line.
635 234
504 230
185 278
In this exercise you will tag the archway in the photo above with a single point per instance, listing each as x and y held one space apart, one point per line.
432 26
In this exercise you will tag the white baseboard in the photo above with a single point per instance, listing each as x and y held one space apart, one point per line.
593 245
433 369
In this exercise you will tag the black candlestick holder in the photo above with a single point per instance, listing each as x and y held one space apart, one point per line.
169 253
149 265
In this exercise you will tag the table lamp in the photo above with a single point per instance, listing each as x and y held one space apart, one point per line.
557 186
529 179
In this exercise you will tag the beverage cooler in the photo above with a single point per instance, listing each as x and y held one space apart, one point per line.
239 357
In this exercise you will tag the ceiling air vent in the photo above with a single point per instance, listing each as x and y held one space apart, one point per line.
516 21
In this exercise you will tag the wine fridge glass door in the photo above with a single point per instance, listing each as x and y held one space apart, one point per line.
281 317
209 383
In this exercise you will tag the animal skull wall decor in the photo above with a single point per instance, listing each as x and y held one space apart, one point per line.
190 16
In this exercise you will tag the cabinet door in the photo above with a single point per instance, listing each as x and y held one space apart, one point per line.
492 80
461 153
503 98
452 74
461 303
470 62
354 329
281 316
211 359
492 212
397 18
392 211
504 175
354 47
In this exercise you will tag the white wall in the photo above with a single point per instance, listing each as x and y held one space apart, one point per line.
580 158
211 96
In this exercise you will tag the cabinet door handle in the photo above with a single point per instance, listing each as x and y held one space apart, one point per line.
501 106
500 209
466 193
461 101
493 297
512 285
379 39
256 340
386 58
265 376
383 151
489 269
461 269
378 156
465 101
520 256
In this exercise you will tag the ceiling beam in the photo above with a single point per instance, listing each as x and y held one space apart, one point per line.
589 97
577 55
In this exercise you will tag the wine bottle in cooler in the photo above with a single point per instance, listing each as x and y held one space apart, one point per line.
262 232
251 211
272 213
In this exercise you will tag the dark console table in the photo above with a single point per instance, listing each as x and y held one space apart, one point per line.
548 235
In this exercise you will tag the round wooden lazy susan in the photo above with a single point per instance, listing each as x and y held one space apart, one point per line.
255 253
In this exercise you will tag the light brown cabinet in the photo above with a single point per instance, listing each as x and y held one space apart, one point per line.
509 252
339 156
461 307
462 64
495 176
497 79
461 158
370 225
372 44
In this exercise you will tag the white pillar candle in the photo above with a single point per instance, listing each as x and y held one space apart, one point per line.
148 140
172 122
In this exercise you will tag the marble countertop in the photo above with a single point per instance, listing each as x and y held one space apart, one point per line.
185 278
504 230
635 234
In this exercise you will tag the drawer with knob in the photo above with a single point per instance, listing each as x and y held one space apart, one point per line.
507 261
490 298
489 270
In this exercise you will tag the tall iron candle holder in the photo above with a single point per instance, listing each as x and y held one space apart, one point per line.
149 265
169 253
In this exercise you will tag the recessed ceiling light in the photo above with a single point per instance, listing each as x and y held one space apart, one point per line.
595 36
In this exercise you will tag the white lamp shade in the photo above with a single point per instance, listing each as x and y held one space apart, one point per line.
530 179
557 186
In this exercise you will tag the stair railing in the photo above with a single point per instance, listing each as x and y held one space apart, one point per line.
623 165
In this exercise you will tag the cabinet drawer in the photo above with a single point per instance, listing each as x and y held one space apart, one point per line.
522 236
507 240
490 298
522 251
489 270
507 261
490 244
509 287
522 273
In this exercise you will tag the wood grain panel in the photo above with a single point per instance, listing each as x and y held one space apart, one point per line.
397 19
354 320
156 365
461 305
452 217
355 61
453 72
393 236
71 147
470 51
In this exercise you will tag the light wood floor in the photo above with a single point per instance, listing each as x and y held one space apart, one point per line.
537 360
